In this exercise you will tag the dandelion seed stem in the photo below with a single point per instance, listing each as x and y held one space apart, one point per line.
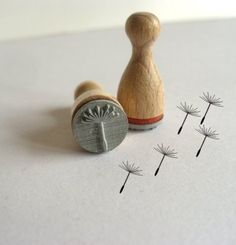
123 186
159 165
203 119
103 136
198 152
180 129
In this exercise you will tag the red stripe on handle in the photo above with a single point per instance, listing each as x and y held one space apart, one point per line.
146 120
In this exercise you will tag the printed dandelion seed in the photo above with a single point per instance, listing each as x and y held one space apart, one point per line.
208 133
166 152
131 169
189 110
100 115
211 100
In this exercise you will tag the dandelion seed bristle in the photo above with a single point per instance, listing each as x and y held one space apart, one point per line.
167 151
99 114
131 168
189 109
211 99
208 132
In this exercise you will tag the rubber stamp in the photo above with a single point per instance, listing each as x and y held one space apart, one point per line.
99 123
141 90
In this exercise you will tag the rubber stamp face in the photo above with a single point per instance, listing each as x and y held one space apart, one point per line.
99 126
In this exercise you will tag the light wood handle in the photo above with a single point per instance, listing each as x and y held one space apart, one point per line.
141 91
86 86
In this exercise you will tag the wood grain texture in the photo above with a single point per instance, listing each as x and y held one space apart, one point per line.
141 90
86 86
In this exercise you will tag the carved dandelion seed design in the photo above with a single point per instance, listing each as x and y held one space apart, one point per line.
131 169
166 152
208 133
211 100
189 110
100 115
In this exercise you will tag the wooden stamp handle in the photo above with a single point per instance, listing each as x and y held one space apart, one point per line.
86 86
141 90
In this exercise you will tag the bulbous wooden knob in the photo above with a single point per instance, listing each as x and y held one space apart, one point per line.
99 122
142 28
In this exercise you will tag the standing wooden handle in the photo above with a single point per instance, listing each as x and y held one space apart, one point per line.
141 91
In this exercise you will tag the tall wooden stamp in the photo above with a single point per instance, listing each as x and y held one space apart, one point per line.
99 122
141 90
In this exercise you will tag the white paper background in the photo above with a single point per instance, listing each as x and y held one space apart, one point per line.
51 192
32 18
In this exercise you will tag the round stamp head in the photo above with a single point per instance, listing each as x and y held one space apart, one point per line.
99 126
